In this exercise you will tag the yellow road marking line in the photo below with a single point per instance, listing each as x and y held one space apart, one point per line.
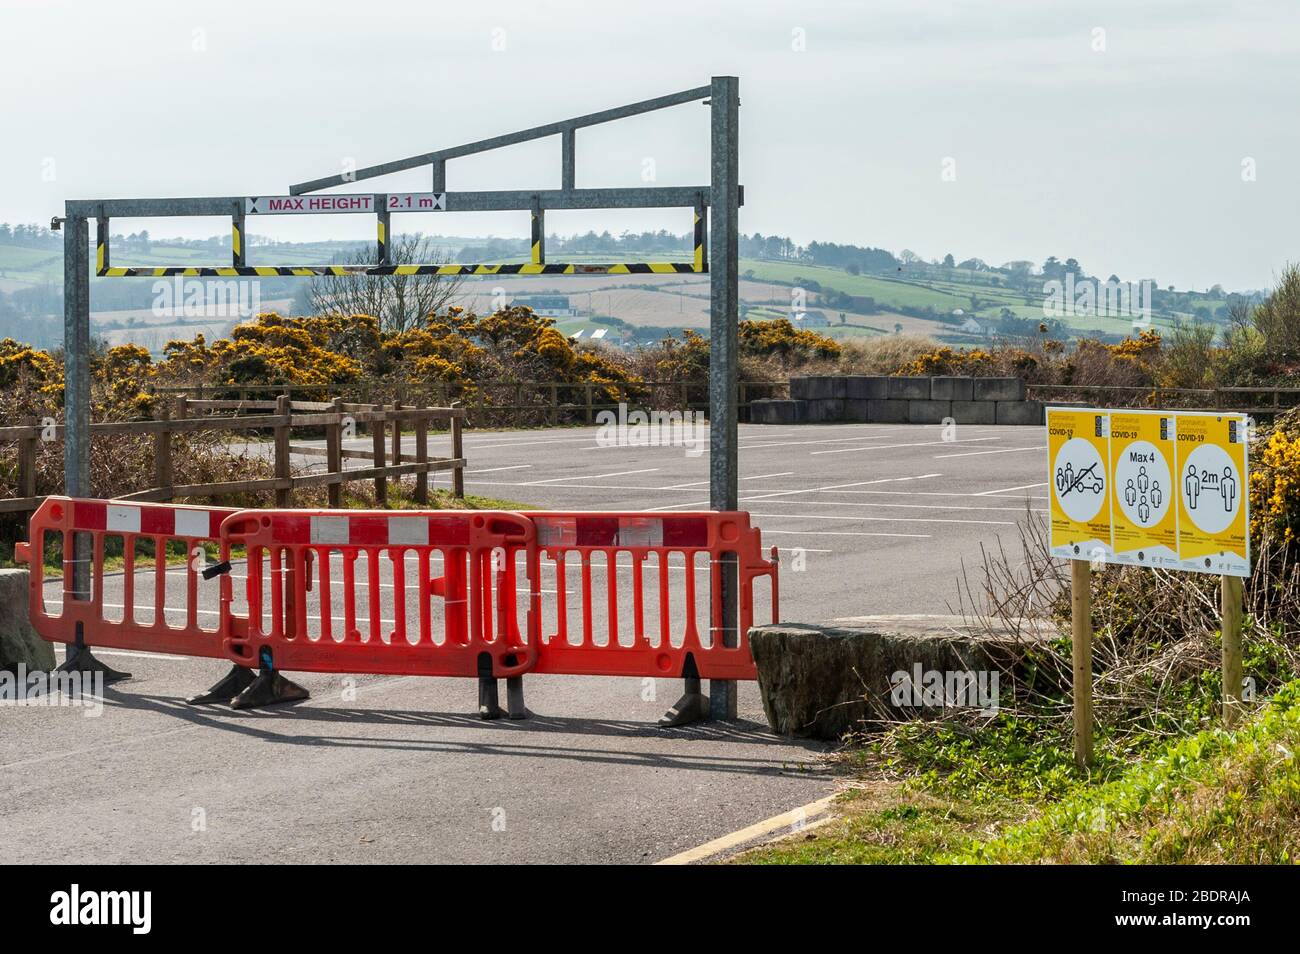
796 816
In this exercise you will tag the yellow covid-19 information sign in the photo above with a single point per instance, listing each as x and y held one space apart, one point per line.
1150 488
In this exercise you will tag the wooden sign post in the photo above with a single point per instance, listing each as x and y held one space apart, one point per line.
1081 633
1231 611
1156 489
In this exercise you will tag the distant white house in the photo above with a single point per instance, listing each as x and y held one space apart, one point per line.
548 306
971 326
810 319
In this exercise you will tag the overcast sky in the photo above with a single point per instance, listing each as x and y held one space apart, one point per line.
1120 133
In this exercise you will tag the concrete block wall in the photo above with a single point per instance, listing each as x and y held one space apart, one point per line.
883 399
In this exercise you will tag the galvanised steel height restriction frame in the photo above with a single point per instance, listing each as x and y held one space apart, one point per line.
719 202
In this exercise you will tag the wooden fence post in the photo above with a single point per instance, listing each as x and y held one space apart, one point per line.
422 457
334 455
457 452
1081 632
1231 591
377 442
555 405
27 449
397 435
162 452
284 494
588 402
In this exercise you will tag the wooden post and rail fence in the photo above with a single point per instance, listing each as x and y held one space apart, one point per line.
1257 401
522 403
281 417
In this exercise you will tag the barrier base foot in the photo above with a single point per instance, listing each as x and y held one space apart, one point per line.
515 707
489 702
81 659
268 689
693 706
230 685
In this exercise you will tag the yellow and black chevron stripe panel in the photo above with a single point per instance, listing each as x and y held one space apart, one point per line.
307 271
699 242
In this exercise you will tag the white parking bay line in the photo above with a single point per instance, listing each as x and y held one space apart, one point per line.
879 447
617 473
1005 450
123 652
850 518
493 470
1008 490
697 483
849 533
905 506
856 483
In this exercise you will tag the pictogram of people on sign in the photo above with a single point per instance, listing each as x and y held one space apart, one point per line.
1228 489
1191 487
1144 495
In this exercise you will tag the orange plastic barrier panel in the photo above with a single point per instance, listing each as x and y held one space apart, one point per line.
437 593
401 593
160 609
635 594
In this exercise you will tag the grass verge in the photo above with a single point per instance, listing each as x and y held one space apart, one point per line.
1214 797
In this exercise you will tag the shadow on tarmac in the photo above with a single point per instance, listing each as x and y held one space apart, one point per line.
302 725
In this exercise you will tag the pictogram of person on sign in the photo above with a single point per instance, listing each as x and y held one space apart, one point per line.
1228 490
1130 493
1191 486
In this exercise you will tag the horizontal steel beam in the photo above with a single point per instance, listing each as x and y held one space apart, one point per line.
307 271
645 197
509 139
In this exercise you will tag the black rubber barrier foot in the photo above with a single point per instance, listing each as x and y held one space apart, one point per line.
80 659
269 689
515 698
230 685
489 703
693 706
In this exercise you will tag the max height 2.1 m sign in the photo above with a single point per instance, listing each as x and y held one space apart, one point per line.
1150 488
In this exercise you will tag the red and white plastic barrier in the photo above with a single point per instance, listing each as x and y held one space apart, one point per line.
161 607
442 593
659 601
406 593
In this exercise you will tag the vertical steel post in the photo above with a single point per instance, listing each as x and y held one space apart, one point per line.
76 386
283 471
724 199
568 162
438 169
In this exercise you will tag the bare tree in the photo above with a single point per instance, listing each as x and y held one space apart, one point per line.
400 302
